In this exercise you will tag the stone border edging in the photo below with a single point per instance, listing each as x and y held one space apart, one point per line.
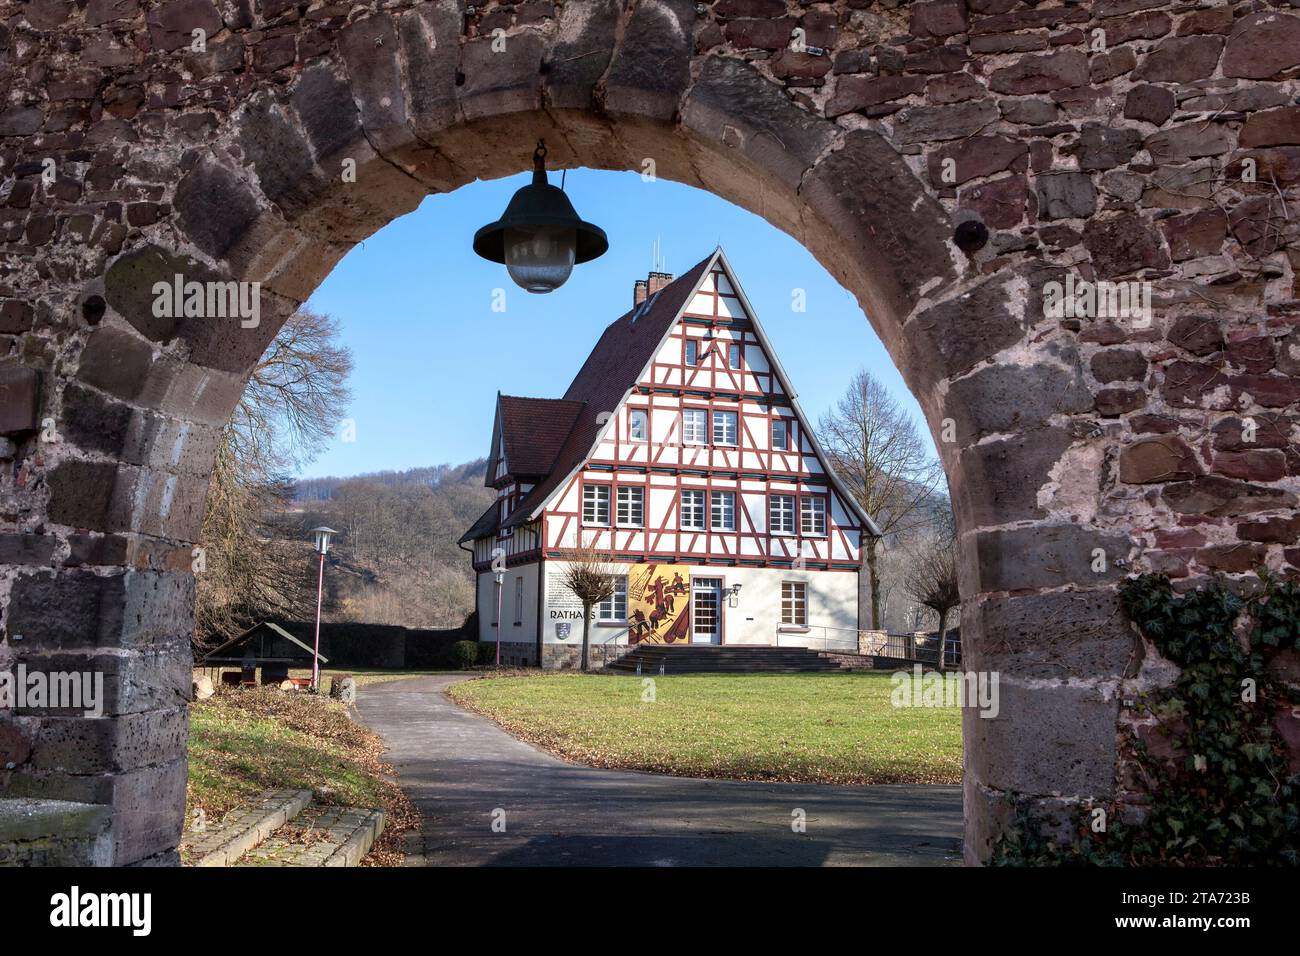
358 844
273 810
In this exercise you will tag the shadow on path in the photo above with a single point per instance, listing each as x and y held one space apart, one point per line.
464 773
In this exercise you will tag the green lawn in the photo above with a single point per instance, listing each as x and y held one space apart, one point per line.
823 728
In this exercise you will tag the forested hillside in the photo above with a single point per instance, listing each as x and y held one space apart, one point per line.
397 561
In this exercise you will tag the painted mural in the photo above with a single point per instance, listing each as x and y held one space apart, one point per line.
658 604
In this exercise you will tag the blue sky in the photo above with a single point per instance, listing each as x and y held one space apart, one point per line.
430 354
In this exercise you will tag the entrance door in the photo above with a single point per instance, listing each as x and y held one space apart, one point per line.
706 610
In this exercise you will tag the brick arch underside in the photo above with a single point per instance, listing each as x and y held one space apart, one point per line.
95 570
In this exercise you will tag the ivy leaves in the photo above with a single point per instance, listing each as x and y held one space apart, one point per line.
1226 797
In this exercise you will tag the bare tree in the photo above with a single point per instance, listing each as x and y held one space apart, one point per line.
932 582
253 561
591 577
875 447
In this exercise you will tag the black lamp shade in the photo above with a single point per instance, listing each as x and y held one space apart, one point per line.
536 206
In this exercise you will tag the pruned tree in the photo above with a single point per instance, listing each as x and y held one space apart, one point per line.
252 559
590 576
932 583
877 450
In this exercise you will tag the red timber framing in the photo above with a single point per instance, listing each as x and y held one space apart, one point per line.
757 394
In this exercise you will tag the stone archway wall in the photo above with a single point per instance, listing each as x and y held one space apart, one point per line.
126 157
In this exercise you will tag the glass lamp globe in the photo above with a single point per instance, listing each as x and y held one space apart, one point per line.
540 259
540 237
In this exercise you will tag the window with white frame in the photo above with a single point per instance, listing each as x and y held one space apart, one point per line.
724 428
695 426
780 435
781 514
614 607
733 356
812 514
722 510
794 603
638 425
692 352
692 510
519 600
631 507
595 504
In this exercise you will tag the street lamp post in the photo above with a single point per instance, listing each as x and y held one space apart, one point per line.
501 580
322 535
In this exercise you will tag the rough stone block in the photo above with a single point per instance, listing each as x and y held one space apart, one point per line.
1166 458
732 107
1054 739
1055 635
651 68
430 41
72 610
147 805
856 191
154 678
1262 45
20 400
997 482
86 745
215 207
1041 556
1010 398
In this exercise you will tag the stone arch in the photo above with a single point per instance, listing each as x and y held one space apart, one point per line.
1066 441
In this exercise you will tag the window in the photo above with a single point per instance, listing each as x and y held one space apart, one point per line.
595 504
733 356
692 352
812 515
780 435
794 603
631 507
723 511
781 514
695 426
724 428
638 425
693 510
519 600
614 607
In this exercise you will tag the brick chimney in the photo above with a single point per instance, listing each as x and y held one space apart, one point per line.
642 289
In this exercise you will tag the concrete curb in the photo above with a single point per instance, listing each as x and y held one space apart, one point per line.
248 828
356 846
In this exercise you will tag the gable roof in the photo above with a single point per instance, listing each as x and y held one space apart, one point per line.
616 364
613 368
531 432
276 631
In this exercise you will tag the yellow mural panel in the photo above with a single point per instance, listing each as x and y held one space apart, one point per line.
658 604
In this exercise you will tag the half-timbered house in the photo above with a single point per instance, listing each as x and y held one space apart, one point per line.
681 453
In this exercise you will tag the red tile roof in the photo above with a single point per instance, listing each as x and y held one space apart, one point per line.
547 438
533 430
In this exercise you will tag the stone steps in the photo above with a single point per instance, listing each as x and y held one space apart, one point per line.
320 836
222 843
284 828
728 660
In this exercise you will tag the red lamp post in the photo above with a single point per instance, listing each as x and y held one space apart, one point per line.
501 579
323 536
